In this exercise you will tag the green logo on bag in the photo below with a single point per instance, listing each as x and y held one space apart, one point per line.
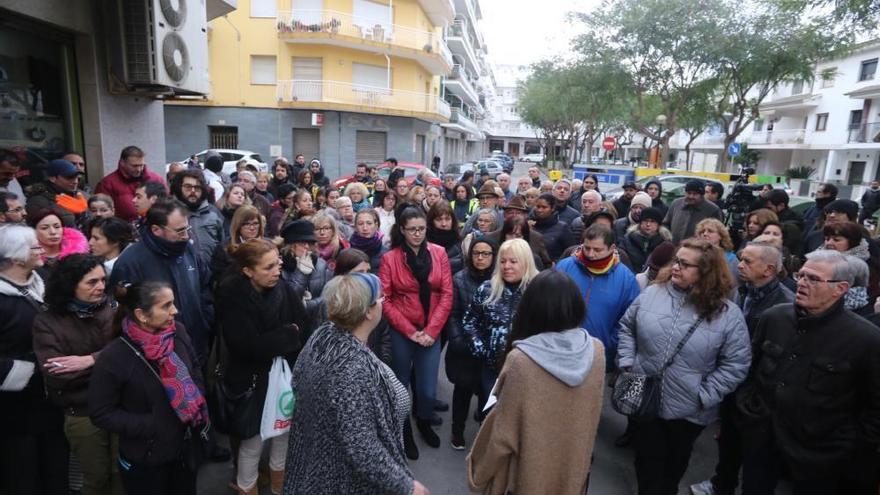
286 401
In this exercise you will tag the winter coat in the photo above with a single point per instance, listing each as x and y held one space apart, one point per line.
256 328
43 196
536 243
557 235
273 223
72 242
816 378
121 188
658 201
464 209
519 448
712 363
772 294
487 325
207 226
72 334
189 278
621 205
682 219
621 227
313 283
638 247
402 307
27 410
127 399
462 368
346 433
567 214
607 297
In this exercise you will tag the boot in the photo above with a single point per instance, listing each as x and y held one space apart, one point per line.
409 444
428 434
255 490
276 481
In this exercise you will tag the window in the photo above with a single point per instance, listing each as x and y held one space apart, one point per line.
827 77
758 126
371 78
869 67
821 121
223 136
263 8
262 69
308 11
797 87
855 119
368 14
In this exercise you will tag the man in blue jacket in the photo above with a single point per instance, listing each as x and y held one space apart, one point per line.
607 285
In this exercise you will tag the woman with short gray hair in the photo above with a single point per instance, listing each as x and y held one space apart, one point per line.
347 430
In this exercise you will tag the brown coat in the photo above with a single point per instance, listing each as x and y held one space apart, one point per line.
539 437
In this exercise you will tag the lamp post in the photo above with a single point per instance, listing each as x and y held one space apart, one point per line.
661 121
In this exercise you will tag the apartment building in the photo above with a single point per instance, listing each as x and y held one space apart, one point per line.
467 86
831 124
508 132
346 81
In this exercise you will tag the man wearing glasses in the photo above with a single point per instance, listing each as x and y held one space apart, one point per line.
11 209
811 402
205 220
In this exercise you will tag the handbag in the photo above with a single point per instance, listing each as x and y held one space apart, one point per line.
232 414
637 395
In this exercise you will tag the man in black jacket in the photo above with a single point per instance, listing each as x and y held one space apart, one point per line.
812 398
792 222
870 201
759 267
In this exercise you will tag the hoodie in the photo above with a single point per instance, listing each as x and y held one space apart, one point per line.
567 355
658 201
320 179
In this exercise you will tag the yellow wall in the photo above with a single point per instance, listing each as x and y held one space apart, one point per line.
232 41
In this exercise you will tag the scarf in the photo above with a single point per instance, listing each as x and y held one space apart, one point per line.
420 265
183 393
161 246
861 251
76 203
597 267
369 245
445 238
855 298
84 309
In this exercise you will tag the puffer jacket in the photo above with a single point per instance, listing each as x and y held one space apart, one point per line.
557 235
462 368
712 363
638 247
488 325
313 283
207 227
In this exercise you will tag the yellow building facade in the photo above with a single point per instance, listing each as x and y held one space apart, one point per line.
342 80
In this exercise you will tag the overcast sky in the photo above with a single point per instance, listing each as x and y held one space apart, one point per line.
522 32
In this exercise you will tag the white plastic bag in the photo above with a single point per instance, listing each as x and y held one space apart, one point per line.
279 404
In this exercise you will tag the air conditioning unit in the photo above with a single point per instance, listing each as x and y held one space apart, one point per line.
158 46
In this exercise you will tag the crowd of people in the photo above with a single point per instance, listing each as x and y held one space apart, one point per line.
143 314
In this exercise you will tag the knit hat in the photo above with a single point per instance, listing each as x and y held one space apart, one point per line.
517 202
641 198
651 214
847 206
695 185
661 255
298 231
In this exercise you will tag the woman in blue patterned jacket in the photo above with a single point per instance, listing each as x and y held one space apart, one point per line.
487 320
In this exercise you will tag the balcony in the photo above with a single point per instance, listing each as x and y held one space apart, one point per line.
346 96
330 27
776 137
459 40
459 121
796 105
864 133
439 12
460 84
865 92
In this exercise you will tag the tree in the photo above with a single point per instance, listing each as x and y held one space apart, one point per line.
696 117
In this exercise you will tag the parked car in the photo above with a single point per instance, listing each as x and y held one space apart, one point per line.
532 158
230 159
410 171
506 160
667 181
493 167
458 169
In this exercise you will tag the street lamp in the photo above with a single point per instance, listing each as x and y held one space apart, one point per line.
661 121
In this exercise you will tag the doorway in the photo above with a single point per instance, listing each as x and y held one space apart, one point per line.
856 173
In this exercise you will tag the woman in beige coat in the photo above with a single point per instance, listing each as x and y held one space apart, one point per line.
539 436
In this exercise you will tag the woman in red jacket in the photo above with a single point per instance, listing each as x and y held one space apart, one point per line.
417 284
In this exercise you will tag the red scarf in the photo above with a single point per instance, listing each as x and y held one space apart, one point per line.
183 394
597 267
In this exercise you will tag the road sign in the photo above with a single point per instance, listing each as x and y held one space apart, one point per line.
554 175
734 149
609 143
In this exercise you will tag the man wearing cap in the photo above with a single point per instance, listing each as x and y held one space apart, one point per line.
562 193
122 183
622 203
517 208
58 192
79 162
685 213
639 202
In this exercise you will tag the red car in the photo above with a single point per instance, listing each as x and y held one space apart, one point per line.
410 170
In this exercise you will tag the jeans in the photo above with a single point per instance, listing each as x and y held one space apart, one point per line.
407 355
663 450
168 479
249 452
34 463
96 450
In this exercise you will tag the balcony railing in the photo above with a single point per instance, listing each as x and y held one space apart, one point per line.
782 136
346 93
459 29
864 133
459 117
345 24
459 74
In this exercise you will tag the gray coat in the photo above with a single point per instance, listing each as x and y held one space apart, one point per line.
207 227
712 363
682 219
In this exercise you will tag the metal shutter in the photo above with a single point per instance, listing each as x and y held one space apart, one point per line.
370 147
307 143
420 149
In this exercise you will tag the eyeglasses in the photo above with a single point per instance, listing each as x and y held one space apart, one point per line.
683 264
323 229
180 231
482 254
415 230
251 224
813 280
191 187
16 210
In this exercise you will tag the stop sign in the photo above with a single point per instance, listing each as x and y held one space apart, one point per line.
609 143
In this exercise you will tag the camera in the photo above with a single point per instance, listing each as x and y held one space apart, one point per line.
740 200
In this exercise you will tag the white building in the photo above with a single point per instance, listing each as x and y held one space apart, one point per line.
508 132
831 124
466 87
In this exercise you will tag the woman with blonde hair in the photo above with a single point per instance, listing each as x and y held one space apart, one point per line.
302 207
330 243
233 197
713 231
416 196
487 320
359 195
247 223
755 223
